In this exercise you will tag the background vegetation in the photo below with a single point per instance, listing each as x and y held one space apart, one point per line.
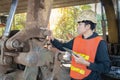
66 26
18 23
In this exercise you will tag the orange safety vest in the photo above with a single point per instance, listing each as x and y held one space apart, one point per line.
87 49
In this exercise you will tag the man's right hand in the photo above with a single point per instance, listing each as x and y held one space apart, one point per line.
50 37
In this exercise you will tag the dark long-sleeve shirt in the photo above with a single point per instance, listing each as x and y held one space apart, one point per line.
102 61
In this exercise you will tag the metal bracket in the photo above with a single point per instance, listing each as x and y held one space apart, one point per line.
8 27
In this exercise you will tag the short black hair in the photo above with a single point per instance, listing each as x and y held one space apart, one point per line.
93 25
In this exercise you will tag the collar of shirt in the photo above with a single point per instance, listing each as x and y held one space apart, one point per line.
92 36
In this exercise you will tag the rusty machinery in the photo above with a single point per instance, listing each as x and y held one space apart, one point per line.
23 56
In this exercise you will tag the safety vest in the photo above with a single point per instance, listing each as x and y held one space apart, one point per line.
87 49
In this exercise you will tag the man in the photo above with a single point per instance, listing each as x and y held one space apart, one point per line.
92 55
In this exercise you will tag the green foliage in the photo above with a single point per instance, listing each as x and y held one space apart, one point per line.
67 25
1 30
86 7
18 23
99 27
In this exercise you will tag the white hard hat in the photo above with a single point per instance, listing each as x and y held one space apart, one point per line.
87 15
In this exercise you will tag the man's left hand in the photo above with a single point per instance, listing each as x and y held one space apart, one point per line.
79 59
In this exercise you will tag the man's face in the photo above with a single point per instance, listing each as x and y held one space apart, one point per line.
82 28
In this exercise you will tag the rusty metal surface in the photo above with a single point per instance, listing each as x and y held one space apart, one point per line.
17 75
47 61
24 56
37 20
3 69
54 71
30 73
37 56
60 72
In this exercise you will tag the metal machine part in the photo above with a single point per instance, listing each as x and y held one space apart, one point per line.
10 18
23 56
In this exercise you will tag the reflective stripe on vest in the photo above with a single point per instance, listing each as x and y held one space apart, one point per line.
86 57
87 49
78 70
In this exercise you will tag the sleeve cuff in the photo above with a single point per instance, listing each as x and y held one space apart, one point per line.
90 66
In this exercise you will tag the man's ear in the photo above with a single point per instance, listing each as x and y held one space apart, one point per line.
88 26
